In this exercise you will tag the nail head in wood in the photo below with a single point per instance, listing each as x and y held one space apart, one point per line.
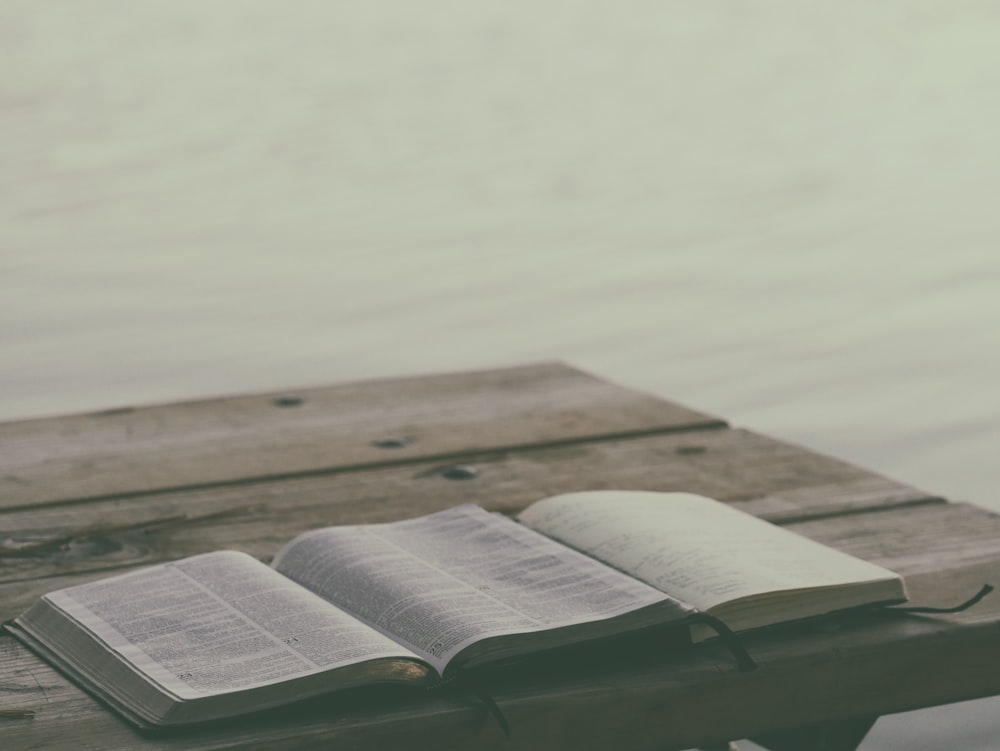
690 450
459 472
390 443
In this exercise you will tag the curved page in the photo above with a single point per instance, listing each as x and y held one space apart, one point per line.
441 582
699 550
219 622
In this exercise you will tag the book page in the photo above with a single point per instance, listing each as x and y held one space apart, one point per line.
219 622
441 582
699 550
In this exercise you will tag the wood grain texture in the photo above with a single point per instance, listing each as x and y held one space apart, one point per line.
137 487
47 548
812 673
233 439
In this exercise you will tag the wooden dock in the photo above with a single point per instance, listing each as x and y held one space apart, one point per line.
89 495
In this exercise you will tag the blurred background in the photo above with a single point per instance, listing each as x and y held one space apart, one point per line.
782 213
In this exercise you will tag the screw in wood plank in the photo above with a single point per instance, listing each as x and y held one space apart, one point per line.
459 472
390 443
690 450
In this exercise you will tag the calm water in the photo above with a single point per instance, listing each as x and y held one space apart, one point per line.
784 215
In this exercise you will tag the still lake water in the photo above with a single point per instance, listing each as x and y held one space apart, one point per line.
784 214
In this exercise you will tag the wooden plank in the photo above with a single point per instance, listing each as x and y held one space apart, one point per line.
349 425
966 546
517 442
916 540
817 673
766 477
966 536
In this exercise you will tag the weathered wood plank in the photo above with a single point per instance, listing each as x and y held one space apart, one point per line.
772 479
836 669
113 491
850 651
916 540
221 440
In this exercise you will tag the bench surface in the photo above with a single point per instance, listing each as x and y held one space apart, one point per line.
85 496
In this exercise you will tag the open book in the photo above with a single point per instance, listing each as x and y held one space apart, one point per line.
415 601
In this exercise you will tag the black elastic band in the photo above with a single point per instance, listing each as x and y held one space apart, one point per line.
488 701
462 680
985 590
743 659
